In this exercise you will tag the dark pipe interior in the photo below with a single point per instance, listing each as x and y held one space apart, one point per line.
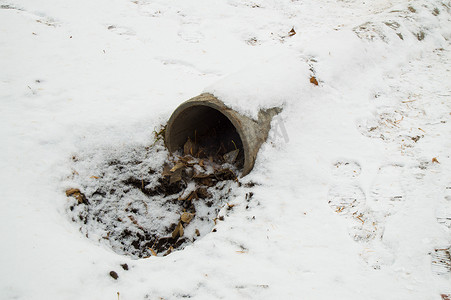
209 129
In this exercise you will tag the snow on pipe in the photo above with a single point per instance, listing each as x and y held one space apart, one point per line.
204 113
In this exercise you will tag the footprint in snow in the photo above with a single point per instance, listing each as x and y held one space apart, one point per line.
190 34
119 30
346 169
387 191
347 198
345 195
443 211
441 261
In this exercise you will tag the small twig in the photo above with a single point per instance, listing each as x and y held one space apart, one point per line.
234 145
399 121
152 251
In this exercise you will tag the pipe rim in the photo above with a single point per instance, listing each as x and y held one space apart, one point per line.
216 104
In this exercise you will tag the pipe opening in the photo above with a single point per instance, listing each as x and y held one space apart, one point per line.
211 131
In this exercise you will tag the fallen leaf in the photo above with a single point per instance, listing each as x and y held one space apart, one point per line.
313 80
177 166
169 251
186 217
181 229
231 156
225 174
207 181
70 192
201 175
202 193
81 198
176 176
178 231
291 32
197 232
94 177
153 252
175 233
434 160
190 196
166 170
189 148
230 206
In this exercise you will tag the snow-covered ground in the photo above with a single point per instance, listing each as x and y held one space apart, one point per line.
352 194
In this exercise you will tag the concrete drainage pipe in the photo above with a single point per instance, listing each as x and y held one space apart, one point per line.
198 117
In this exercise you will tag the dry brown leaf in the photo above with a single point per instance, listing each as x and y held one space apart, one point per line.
70 192
177 166
153 252
291 32
231 156
313 80
201 175
434 160
178 231
169 251
166 170
176 176
186 217
189 148
81 198
197 232
94 177
181 229
202 193
207 181
190 196
175 233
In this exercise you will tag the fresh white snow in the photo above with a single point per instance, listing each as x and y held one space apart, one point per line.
353 188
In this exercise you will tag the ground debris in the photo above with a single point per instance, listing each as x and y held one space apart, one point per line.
81 198
313 80
143 210
186 217
114 275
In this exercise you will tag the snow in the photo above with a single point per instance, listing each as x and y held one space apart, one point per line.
348 202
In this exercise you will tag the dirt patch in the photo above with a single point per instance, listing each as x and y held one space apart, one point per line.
142 201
